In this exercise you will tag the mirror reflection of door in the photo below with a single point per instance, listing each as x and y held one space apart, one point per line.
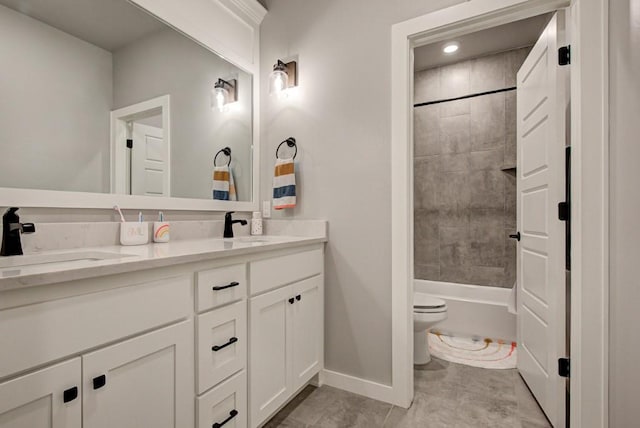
149 169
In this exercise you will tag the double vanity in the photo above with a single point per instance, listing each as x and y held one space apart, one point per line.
194 333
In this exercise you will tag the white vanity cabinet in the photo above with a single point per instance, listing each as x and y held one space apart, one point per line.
286 330
220 342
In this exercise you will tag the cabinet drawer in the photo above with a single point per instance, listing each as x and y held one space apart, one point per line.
217 287
222 344
36 334
226 402
275 272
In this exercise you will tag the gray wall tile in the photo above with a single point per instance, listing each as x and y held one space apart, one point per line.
426 131
487 122
454 134
488 73
427 174
455 79
426 86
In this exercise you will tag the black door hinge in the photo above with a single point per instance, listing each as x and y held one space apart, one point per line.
563 211
564 55
129 143
564 367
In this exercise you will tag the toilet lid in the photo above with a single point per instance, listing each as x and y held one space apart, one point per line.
425 301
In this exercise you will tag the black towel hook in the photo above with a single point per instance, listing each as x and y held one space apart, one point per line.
226 151
291 142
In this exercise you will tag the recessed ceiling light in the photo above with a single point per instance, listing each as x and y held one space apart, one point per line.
450 48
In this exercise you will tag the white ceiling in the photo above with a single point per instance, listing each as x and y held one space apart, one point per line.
497 39
109 24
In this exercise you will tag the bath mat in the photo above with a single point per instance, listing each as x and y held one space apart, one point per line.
484 353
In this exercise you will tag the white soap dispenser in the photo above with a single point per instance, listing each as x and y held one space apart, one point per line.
256 223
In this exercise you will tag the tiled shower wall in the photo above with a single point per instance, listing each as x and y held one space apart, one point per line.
464 195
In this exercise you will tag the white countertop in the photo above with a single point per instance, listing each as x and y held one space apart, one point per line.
123 259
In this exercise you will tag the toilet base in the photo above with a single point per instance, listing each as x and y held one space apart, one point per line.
421 353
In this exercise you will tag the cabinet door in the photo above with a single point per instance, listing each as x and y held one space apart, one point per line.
48 398
270 352
146 381
308 328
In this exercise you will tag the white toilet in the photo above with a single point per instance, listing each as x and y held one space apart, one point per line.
427 312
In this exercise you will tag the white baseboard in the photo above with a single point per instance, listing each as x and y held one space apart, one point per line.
359 386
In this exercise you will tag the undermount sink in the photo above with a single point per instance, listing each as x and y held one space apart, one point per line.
48 259
261 239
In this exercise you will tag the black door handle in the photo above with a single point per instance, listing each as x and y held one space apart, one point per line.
223 287
99 382
291 300
298 297
231 341
232 414
515 236
70 394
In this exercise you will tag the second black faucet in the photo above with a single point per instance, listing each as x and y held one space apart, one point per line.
228 224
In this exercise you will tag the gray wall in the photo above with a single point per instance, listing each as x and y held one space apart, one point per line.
624 353
55 99
341 116
166 62
464 204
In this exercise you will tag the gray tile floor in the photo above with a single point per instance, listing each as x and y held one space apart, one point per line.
446 395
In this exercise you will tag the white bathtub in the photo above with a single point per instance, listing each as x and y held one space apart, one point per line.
473 310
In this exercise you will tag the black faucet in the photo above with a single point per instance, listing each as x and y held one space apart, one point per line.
11 230
228 224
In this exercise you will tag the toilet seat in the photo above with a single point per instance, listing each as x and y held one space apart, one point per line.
426 304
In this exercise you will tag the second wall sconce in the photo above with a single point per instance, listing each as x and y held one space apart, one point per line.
224 92
283 77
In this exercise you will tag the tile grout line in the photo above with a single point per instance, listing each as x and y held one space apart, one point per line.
384 422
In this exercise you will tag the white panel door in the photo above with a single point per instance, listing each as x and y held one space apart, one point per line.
43 399
307 324
270 371
149 161
146 381
541 104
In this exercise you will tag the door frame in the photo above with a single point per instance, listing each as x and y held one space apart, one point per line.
120 131
589 205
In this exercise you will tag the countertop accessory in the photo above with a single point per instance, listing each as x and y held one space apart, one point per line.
256 223
161 229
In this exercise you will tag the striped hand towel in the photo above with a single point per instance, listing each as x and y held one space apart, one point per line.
284 185
224 188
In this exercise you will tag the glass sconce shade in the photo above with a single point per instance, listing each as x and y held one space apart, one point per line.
223 93
282 77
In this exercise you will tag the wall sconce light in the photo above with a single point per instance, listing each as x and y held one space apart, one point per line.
224 92
283 77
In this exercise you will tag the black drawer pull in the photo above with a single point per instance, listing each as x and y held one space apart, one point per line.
231 341
223 287
291 300
232 414
70 394
99 382
298 297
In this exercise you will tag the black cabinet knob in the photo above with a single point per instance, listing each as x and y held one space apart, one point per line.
99 382
515 236
298 297
291 300
70 394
